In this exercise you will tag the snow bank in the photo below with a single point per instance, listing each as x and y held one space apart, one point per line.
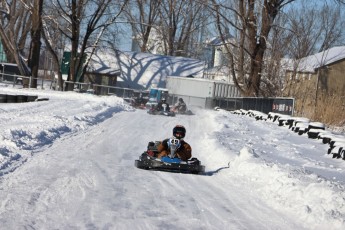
29 126
317 201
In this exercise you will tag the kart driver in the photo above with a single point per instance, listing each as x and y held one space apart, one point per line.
163 106
180 106
183 150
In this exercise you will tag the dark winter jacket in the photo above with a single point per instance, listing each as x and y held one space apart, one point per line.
184 152
163 107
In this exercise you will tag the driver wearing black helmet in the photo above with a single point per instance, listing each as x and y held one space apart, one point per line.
163 106
183 150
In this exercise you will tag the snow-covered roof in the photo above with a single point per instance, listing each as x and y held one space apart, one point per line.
217 41
147 70
104 62
138 70
312 62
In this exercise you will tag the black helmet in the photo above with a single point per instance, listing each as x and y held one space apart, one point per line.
180 100
163 99
181 130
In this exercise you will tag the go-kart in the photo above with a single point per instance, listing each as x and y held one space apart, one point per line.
149 160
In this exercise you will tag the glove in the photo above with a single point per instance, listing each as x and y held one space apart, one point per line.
150 153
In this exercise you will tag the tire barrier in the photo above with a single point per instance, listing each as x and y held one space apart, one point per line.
302 126
3 98
11 98
22 98
32 98
18 98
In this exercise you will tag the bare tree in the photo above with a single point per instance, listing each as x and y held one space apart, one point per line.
314 28
264 30
53 38
311 29
254 20
18 19
181 22
273 73
83 23
35 44
14 30
143 16
170 27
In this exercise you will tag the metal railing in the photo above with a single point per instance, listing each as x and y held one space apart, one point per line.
265 105
280 105
18 81
99 89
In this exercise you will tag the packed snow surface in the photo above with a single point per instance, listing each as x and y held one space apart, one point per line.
68 163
